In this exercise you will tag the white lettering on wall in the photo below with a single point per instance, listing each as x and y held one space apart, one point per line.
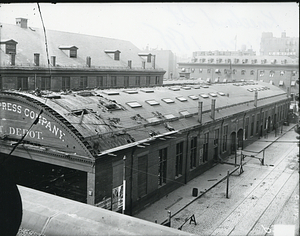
13 107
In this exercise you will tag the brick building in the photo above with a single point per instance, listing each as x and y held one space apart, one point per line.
71 61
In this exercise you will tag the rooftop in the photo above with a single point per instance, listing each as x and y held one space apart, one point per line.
132 115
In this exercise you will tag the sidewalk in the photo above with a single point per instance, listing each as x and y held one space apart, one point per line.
176 200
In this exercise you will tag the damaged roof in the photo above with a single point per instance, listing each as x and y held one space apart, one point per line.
110 118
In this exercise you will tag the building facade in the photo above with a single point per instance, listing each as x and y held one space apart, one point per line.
275 46
278 70
69 61
167 60
87 143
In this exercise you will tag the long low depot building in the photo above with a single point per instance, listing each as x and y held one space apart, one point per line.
150 140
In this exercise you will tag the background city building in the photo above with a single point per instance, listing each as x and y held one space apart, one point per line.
279 46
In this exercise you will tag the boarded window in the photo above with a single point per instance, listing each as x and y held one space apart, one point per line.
142 175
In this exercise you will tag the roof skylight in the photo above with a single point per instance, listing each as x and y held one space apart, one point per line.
193 97
130 91
111 92
152 102
182 99
169 116
204 95
134 104
168 100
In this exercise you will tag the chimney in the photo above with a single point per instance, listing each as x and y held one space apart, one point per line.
37 59
13 59
255 98
143 64
88 61
22 22
153 62
129 64
200 105
213 108
53 60
283 35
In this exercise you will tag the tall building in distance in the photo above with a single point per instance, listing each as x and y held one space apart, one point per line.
165 59
284 46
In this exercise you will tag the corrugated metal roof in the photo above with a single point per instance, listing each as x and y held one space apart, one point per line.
108 122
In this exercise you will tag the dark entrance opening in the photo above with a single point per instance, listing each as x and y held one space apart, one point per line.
49 178
233 142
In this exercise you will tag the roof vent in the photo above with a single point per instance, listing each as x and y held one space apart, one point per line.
22 22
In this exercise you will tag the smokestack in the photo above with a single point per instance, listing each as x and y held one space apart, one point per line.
37 59
200 105
255 98
153 62
88 61
53 60
129 64
143 64
13 59
213 108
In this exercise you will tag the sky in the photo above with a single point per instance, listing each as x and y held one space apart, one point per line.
179 27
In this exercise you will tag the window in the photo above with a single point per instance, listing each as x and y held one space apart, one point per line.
193 152
142 175
83 82
99 81
66 83
179 158
157 80
45 83
126 81
208 71
162 167
147 80
225 133
252 72
261 73
10 48
138 80
243 72
252 126
114 81
22 83
152 102
73 53
246 128
216 140
205 147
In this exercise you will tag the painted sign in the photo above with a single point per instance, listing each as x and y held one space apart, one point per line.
17 118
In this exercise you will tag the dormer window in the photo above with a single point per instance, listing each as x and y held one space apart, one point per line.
10 46
115 52
148 55
72 50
